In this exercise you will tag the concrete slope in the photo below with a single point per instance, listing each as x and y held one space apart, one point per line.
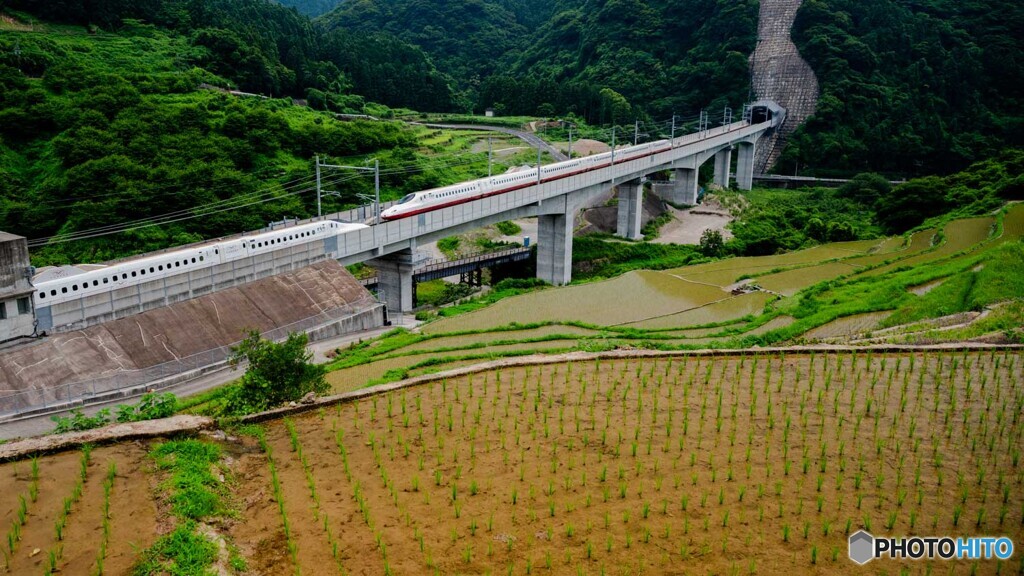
196 332
779 73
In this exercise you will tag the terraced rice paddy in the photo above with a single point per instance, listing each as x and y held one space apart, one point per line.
749 464
67 513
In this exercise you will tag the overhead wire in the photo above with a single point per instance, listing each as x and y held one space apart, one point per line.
295 187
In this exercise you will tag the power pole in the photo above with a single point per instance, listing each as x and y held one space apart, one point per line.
489 153
376 184
570 141
319 213
673 138
636 133
538 165
376 189
613 145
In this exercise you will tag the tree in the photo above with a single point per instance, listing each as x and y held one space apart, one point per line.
277 373
711 243
865 188
912 203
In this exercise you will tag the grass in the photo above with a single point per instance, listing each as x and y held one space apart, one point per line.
508 228
196 495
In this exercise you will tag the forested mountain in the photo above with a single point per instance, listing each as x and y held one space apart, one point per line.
311 8
911 87
266 48
557 56
908 87
468 39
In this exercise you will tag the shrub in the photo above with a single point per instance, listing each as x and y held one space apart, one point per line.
151 407
508 228
79 421
277 373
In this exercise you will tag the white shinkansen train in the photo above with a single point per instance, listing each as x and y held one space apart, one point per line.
151 268
427 200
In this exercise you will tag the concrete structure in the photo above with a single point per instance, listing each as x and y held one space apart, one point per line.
631 201
179 342
392 245
555 205
723 166
780 74
681 189
160 292
17 317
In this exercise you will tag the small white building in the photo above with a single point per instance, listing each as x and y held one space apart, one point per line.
489 113
17 317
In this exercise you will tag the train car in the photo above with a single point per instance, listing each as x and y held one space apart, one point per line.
147 269
428 200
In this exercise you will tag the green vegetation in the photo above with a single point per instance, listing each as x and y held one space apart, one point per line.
448 246
504 289
712 243
777 221
265 48
439 292
597 258
276 373
508 228
195 495
150 407
891 98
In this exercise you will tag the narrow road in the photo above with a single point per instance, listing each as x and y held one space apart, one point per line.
528 137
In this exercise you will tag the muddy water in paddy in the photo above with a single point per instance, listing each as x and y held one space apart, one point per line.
467 339
731 308
680 297
627 298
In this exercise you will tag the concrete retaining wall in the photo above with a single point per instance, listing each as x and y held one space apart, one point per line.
161 292
187 337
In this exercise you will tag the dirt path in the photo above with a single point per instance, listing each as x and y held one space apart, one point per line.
687 226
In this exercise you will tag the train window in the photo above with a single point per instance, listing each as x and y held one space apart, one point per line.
42 295
133 274
200 258
95 282
216 251
106 280
74 287
160 267
64 290
177 264
125 276
193 260
151 270
143 271
53 292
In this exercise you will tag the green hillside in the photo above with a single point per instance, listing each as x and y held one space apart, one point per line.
907 88
101 129
911 88
265 48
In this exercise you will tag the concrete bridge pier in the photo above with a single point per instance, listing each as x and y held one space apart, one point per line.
746 152
395 285
631 204
682 190
554 247
723 163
